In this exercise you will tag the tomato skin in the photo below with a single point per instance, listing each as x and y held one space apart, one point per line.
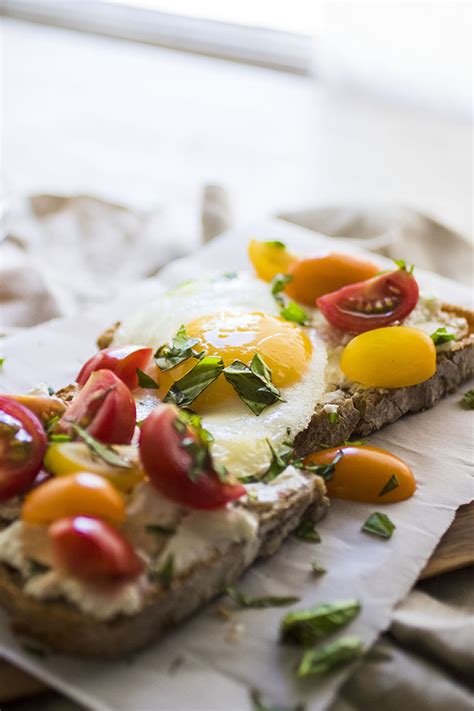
269 259
371 304
22 447
104 407
82 494
324 273
45 408
392 357
91 549
121 360
167 464
362 473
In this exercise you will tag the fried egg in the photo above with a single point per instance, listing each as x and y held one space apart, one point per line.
234 318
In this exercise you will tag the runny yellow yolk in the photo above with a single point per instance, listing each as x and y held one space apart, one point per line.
283 345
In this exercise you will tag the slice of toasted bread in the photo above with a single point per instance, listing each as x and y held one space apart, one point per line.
62 626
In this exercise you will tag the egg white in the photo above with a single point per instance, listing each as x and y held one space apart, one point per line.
240 437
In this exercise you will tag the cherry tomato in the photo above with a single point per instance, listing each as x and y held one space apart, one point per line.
65 458
22 447
121 360
168 463
104 407
270 258
91 549
82 494
371 304
363 473
43 407
392 357
315 276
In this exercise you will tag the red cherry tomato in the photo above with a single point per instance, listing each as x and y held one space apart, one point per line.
168 463
90 549
121 360
104 407
371 304
22 447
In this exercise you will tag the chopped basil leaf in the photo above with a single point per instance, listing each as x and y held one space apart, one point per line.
441 336
51 391
275 243
185 390
280 461
51 424
60 438
333 418
194 420
161 530
165 574
318 569
2 361
379 524
401 264
293 312
101 450
230 275
355 443
391 484
145 381
181 349
250 479
253 385
199 456
278 285
325 659
325 471
468 400
259 602
198 448
259 705
307 532
306 627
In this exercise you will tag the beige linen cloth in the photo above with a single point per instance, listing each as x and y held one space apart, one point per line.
60 254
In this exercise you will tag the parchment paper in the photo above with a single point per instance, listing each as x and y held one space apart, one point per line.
194 667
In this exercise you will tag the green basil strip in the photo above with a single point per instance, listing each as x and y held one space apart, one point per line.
468 400
379 524
316 662
165 574
401 264
259 602
278 286
145 381
391 484
275 243
325 471
181 349
293 312
253 384
318 569
306 627
101 450
441 336
307 532
280 461
185 390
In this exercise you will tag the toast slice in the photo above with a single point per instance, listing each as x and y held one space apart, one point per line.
62 626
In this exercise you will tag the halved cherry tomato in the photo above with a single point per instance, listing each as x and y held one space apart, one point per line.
104 407
366 474
121 360
65 458
168 462
82 494
313 277
392 357
43 407
270 258
371 304
22 447
90 549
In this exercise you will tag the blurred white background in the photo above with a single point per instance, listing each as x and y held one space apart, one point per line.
358 102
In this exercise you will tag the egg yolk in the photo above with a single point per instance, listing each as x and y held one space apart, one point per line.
366 474
283 345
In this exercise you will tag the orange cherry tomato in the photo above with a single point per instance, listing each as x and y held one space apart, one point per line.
82 494
270 258
90 549
366 474
42 406
315 276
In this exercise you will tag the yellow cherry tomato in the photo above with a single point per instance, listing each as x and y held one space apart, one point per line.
391 357
83 494
270 258
324 273
366 474
64 458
